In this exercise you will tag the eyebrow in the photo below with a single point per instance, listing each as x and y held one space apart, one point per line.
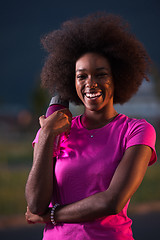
99 69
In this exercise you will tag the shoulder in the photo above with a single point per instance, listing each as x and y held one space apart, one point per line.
133 124
140 132
141 126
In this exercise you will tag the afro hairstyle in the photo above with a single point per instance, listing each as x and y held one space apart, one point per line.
106 34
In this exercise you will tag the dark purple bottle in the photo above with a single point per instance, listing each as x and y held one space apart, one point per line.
56 103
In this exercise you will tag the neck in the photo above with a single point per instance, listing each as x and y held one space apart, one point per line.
97 119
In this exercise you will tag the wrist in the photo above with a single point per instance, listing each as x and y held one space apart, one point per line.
47 133
52 214
46 217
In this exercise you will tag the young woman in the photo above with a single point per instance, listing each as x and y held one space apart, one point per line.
84 192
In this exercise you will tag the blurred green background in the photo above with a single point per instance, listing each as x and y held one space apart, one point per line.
22 101
17 134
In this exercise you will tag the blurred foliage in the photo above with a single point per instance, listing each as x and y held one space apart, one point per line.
149 188
16 153
16 158
15 164
12 184
40 99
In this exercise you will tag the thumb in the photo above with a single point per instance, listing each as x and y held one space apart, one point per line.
41 119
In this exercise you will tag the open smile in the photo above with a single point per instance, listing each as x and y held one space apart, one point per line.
92 96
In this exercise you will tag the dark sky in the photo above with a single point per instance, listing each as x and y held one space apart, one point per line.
24 22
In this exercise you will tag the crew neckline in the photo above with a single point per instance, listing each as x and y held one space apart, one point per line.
94 129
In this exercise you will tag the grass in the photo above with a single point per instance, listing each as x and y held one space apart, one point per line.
15 153
15 162
149 188
12 184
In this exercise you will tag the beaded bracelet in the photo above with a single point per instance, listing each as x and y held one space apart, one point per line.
52 213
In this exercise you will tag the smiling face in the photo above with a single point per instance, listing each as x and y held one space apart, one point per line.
94 84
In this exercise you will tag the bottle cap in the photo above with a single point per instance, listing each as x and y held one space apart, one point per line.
58 100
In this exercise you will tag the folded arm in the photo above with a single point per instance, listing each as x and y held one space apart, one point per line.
39 187
127 178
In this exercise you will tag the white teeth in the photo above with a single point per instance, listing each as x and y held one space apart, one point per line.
93 95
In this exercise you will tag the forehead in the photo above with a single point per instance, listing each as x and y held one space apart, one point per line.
92 60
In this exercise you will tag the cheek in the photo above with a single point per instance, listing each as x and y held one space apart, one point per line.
110 90
78 89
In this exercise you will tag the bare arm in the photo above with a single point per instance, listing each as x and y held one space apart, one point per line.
39 185
127 178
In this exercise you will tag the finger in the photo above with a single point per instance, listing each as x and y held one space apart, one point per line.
67 112
69 117
41 119
28 209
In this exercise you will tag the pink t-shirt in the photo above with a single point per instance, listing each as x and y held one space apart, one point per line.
85 166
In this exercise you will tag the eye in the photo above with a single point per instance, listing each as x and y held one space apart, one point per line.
81 76
102 75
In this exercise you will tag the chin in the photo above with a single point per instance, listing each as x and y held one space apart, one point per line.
94 108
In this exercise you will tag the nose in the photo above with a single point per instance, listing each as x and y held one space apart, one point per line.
91 82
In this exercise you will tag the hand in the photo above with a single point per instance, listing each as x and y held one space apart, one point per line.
58 122
33 218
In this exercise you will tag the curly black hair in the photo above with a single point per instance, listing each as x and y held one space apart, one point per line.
101 33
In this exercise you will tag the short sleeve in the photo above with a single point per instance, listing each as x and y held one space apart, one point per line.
144 133
36 138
